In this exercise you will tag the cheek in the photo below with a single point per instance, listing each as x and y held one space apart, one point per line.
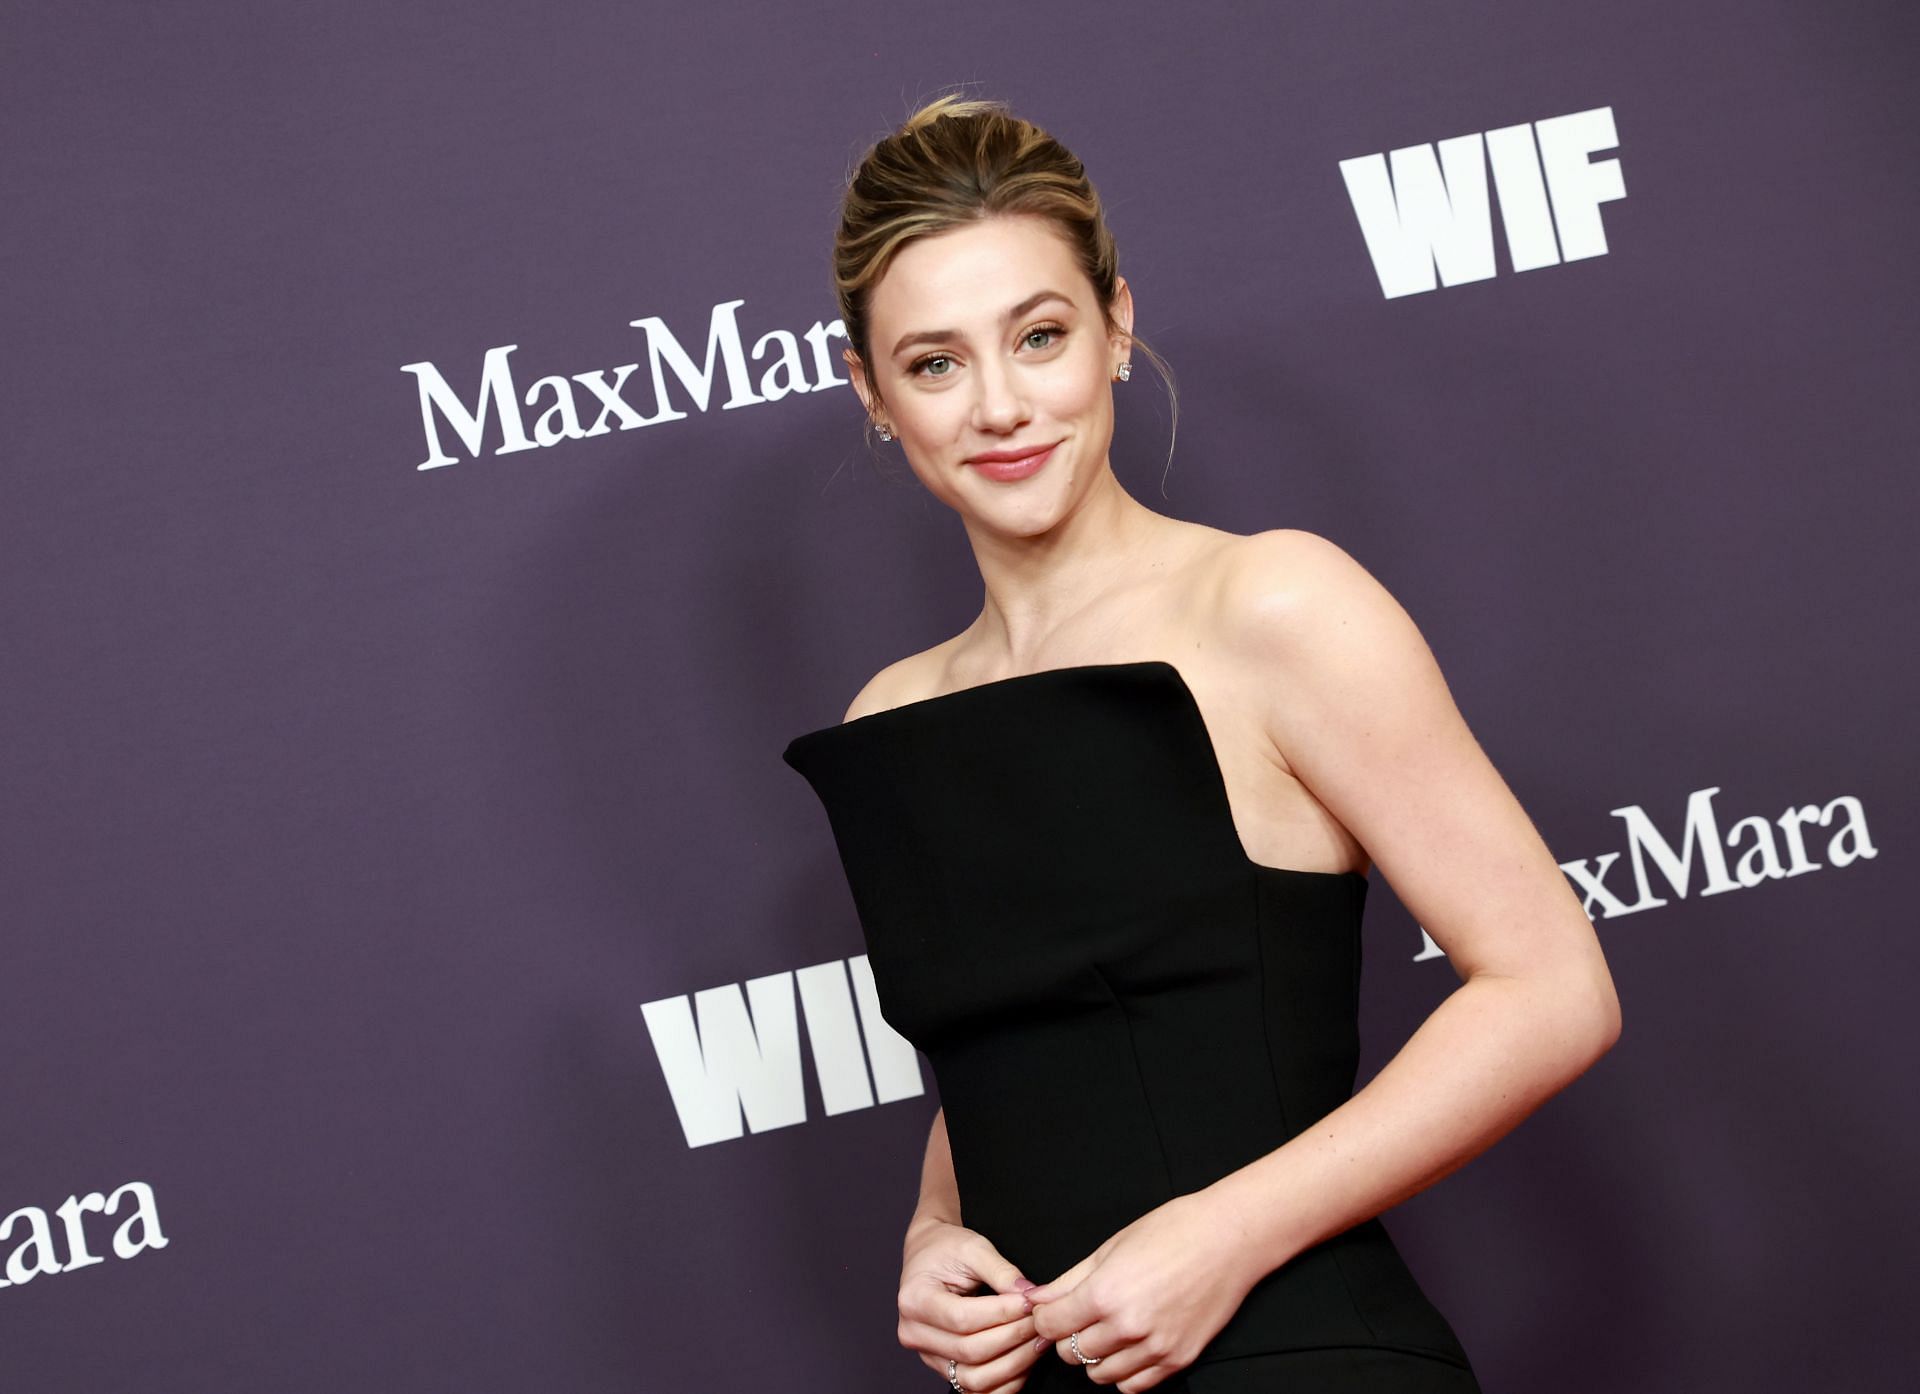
938 417
1084 402
1086 391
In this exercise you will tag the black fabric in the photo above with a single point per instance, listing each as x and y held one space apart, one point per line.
1119 1006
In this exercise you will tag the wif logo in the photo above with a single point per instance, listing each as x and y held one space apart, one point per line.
729 1055
1430 212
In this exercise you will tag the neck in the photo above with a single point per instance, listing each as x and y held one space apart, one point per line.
1035 586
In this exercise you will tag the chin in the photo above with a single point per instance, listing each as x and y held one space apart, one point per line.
1030 519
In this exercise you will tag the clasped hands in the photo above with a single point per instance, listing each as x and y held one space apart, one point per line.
1144 1303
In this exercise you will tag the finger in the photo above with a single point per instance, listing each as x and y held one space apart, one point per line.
992 1267
1112 1357
1007 1369
959 1315
1006 1372
984 1343
1125 1365
1070 1310
983 1347
1049 1292
1012 1386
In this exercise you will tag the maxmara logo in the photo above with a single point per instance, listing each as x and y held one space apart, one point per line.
732 1058
560 403
1434 211
39 1249
1763 849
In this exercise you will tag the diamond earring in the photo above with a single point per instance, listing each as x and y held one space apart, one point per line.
886 433
1124 372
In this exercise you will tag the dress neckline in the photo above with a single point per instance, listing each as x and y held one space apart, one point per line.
994 683
878 719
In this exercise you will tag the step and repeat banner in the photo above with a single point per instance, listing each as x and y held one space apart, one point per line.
434 498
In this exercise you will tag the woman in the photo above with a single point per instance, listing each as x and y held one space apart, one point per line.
1109 846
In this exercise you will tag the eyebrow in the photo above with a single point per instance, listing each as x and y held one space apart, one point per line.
930 336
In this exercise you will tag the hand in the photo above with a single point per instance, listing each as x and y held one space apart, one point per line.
992 1335
1149 1299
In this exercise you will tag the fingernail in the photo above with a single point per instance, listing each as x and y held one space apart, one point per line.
1025 1283
1041 1343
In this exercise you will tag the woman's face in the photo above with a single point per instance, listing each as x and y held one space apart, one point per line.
988 339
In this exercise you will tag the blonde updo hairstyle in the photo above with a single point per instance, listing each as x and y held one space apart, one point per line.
958 161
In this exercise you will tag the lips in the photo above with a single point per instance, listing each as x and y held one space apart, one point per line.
1007 456
1004 466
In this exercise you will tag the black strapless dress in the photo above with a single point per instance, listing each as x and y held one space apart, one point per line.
1119 1005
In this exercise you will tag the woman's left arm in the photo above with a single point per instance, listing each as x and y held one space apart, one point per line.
1353 701
1359 710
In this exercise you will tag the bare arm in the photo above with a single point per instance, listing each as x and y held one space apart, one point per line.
1362 715
939 1194
1488 1056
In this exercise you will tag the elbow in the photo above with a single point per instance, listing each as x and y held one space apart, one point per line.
1584 1011
1591 1004
1575 1018
1603 1012
1609 1030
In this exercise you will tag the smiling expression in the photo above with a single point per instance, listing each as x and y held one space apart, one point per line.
988 346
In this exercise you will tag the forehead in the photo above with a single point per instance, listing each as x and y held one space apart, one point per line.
968 276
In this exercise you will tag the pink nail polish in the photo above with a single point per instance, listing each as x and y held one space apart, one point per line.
1041 1343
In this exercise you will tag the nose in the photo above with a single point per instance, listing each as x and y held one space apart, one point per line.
999 405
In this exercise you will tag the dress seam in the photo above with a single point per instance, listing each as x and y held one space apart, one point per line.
1140 1080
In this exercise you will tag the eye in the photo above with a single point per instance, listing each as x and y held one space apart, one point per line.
922 367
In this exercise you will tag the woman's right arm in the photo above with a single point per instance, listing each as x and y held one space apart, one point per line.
942 1262
939 1192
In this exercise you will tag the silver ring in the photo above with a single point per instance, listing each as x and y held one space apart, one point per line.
1073 1339
953 1376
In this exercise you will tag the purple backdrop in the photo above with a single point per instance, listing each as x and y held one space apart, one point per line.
423 973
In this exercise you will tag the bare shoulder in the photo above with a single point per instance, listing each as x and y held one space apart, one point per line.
1323 654
1288 591
880 691
902 681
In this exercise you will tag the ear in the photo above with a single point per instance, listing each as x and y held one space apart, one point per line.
858 378
1122 310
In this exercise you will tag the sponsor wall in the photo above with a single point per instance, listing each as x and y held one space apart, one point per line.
435 499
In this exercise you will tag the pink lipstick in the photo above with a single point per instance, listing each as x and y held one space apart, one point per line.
997 467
